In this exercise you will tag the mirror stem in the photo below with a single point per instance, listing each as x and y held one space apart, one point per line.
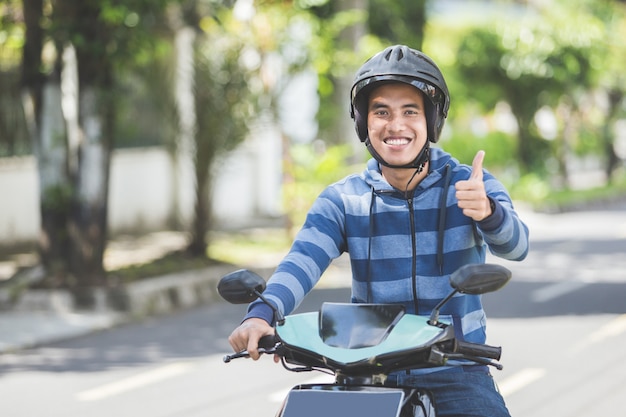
434 316
278 316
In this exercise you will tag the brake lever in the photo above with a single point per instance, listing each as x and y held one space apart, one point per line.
245 354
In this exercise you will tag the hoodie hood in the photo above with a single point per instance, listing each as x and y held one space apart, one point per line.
439 159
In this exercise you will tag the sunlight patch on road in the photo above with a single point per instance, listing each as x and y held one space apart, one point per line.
135 382
553 291
610 329
520 380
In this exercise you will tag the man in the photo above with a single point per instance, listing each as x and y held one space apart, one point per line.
413 217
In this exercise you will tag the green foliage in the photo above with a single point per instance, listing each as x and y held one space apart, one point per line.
536 191
525 61
123 31
172 262
224 102
11 35
408 17
310 4
13 137
320 165
249 246
146 114
479 58
311 169
499 148
531 188
57 198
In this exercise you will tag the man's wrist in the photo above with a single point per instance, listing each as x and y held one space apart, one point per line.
492 206
495 219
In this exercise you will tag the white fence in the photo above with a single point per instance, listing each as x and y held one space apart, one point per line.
146 192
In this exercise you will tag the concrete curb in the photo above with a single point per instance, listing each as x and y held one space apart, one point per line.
41 316
175 291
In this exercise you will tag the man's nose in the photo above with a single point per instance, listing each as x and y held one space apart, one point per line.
397 123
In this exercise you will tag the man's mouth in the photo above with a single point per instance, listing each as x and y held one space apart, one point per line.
397 141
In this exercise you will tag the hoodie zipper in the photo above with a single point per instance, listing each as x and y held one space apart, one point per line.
414 251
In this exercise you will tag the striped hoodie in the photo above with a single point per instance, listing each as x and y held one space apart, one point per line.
402 248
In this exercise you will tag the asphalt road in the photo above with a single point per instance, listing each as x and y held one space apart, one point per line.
561 322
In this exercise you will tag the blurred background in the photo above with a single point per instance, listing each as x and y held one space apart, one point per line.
200 116
146 138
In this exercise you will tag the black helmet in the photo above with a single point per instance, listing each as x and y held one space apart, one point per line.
402 64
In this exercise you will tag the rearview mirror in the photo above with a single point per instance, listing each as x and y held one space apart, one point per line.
479 278
241 287
473 279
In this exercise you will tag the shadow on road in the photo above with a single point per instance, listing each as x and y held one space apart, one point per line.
518 300
204 331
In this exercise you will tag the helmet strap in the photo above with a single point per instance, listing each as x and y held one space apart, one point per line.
419 162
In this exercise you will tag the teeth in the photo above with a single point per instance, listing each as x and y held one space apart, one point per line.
399 141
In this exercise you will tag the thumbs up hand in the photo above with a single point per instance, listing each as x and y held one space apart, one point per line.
471 195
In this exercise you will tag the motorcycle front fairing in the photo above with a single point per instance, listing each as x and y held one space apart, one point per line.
332 400
339 401
363 339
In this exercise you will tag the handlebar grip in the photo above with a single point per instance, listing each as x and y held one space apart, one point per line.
266 345
268 342
478 349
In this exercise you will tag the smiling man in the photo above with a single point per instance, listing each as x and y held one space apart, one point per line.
413 217
396 123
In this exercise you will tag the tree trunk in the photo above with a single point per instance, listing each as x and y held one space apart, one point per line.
88 226
569 116
200 225
185 142
55 189
349 38
42 98
524 150
616 98
90 152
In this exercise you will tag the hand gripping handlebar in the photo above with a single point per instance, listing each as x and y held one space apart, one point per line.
267 345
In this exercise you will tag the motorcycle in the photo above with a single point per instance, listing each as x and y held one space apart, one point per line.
361 344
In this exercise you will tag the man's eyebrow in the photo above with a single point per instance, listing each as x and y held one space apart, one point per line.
378 105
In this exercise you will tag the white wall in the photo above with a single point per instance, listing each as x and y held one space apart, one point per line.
19 200
142 193
140 190
248 181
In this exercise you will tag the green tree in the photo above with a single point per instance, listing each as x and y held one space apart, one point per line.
529 64
225 105
398 21
350 32
13 137
611 61
72 119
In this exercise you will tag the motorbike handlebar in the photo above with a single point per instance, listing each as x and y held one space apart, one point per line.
474 351
477 350
267 344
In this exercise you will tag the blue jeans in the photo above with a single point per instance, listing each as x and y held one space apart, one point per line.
458 391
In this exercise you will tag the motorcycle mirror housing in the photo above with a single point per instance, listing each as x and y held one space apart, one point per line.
241 287
479 278
473 279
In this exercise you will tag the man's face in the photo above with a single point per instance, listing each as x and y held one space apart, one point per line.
396 122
